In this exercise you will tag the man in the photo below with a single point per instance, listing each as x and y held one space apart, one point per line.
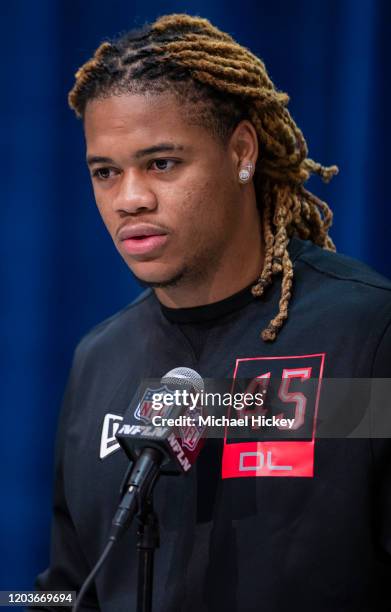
198 172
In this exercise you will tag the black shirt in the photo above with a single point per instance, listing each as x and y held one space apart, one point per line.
308 528
196 322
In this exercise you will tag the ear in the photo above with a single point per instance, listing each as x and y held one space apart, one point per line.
243 144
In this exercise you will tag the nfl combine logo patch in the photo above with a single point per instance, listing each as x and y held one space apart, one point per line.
291 386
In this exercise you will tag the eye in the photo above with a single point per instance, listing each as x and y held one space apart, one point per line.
103 173
164 164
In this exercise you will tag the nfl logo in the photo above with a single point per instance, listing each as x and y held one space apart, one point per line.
144 411
192 434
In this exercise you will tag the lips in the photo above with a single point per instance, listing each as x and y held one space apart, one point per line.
140 230
142 239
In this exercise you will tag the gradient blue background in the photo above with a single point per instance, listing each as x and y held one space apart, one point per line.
60 273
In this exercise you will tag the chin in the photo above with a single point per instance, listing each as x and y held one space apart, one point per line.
158 277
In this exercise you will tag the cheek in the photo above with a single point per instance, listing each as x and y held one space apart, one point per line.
200 204
212 207
205 218
195 215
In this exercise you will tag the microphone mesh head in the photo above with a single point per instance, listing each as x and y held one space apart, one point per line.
184 378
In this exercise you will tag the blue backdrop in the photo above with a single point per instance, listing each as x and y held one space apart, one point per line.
60 272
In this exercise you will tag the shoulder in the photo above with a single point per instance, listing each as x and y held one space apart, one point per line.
339 282
339 267
120 329
345 299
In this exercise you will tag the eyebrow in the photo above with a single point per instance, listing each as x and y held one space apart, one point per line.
159 148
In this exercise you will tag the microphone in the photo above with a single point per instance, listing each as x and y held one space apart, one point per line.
185 377
150 449
166 449
153 450
179 446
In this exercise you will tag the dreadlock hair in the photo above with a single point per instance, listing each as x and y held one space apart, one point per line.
206 67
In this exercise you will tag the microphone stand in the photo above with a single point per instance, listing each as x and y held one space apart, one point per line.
141 476
148 541
136 500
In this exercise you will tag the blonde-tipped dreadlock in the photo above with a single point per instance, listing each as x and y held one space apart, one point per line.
181 51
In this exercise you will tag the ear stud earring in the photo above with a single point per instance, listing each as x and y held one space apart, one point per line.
246 172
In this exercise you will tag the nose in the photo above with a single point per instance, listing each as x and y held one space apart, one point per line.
134 195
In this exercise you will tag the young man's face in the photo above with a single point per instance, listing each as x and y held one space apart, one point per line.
167 191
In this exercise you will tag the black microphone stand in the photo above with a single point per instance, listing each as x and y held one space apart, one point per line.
141 502
136 501
148 541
